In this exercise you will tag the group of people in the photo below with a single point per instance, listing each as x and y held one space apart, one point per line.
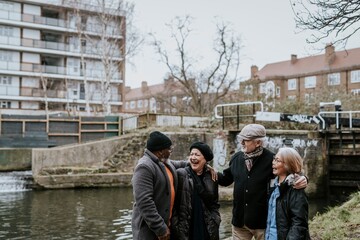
179 199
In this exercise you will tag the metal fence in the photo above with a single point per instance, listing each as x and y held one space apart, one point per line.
49 131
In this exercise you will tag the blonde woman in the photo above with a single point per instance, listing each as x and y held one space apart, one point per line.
288 207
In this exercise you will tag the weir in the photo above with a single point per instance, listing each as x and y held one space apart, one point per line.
16 181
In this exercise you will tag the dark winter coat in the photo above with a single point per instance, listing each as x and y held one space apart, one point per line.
152 193
292 213
250 189
208 191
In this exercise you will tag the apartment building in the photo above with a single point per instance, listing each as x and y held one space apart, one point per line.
167 97
61 55
303 78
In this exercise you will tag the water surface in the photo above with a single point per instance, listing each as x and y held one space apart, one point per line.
103 213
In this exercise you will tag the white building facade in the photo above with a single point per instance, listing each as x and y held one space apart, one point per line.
56 55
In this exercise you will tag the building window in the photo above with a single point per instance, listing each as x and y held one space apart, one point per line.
292 84
291 97
248 90
5 56
5 80
309 97
262 88
139 103
355 91
334 79
132 104
127 105
310 82
6 6
173 100
146 103
277 91
6 31
5 104
355 76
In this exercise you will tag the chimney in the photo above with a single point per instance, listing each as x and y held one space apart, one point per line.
144 86
169 82
293 58
127 89
254 71
329 53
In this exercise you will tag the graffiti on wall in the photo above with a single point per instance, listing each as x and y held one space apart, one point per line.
219 150
299 118
278 142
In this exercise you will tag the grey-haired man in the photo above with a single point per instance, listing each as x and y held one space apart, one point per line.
251 172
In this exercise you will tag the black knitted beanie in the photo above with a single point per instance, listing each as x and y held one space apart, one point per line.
158 141
204 149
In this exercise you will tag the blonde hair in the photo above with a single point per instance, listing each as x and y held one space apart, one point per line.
292 159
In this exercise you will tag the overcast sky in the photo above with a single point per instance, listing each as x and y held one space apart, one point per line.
266 27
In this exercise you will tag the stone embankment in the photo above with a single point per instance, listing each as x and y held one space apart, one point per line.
115 170
110 162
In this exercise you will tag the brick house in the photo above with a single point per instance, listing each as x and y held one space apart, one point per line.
302 78
167 97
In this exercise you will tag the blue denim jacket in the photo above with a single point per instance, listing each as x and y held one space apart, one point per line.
271 231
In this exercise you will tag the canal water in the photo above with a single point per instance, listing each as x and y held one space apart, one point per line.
103 213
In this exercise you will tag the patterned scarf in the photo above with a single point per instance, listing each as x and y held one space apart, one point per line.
249 157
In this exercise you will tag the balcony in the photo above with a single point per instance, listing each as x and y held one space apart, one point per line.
57 70
49 93
9 90
57 46
51 22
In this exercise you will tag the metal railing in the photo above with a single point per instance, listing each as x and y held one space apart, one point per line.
339 117
222 107
236 104
58 46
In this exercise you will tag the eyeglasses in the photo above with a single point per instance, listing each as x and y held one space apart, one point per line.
277 160
171 148
243 141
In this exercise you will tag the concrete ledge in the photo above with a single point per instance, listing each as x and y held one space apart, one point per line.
100 180
83 180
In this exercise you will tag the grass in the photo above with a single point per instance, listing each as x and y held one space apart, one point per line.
338 223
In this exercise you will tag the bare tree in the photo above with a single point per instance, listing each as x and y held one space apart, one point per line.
44 85
112 20
205 87
79 28
338 19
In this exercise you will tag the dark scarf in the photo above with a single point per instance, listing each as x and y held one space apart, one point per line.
250 157
198 229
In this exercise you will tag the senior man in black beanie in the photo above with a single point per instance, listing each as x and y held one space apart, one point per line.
196 211
154 184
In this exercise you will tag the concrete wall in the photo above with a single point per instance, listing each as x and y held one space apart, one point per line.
93 154
310 146
12 159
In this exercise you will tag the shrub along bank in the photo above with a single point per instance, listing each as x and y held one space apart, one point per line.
338 223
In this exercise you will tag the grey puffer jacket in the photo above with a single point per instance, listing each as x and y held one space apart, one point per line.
181 220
